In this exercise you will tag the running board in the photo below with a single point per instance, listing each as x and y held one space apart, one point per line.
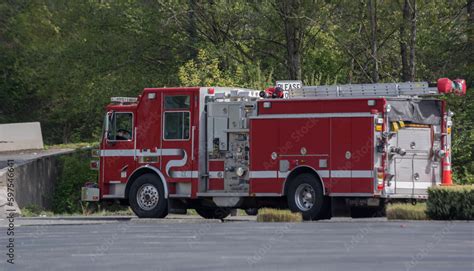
223 194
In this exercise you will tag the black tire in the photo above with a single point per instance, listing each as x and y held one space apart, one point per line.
309 183
326 212
153 203
213 212
368 212
251 211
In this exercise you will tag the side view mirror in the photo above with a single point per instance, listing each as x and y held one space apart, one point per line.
108 121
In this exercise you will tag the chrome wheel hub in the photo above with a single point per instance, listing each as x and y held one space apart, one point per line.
147 197
305 197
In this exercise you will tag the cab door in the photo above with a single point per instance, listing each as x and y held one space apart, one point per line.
117 153
179 139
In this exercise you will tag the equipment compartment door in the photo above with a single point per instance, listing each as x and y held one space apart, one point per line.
341 155
362 167
414 171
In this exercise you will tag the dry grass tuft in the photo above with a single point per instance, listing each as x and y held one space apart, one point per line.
407 211
275 215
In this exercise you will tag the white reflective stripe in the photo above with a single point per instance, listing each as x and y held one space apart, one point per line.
215 174
323 173
352 174
409 185
317 115
423 185
168 152
157 152
362 173
130 152
109 153
263 174
184 174
340 173
175 163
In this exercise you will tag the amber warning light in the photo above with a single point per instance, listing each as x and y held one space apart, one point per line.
456 86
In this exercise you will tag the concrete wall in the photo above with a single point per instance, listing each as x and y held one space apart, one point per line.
20 136
35 181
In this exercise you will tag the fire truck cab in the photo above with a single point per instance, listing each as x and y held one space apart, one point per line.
215 149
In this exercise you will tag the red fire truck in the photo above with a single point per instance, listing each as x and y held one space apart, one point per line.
314 150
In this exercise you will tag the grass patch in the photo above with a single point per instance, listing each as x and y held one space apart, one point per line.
126 211
406 211
191 212
87 210
33 211
275 215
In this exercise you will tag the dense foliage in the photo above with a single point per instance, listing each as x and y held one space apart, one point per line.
60 61
445 203
74 171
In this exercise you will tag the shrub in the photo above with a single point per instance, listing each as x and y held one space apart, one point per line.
407 211
274 215
451 202
75 172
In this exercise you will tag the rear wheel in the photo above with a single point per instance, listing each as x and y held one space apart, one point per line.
251 211
213 212
147 198
367 212
305 195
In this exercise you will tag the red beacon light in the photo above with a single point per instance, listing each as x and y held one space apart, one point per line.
272 92
456 86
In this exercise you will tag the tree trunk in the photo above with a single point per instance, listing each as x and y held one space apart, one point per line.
470 21
408 40
373 39
66 133
403 42
359 32
412 41
291 11
191 29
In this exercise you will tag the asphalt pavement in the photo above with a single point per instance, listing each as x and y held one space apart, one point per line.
197 244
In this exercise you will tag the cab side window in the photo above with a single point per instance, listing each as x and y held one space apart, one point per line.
177 102
177 125
120 127
176 117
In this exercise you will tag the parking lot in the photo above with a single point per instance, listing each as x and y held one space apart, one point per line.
191 243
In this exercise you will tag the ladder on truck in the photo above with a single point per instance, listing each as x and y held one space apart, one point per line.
365 90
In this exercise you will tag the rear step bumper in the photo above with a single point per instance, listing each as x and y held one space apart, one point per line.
405 196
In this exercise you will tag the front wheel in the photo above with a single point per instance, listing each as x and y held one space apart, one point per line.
147 197
305 195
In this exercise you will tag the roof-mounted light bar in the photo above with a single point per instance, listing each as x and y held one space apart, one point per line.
123 100
456 86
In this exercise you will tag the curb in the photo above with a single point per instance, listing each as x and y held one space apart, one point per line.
93 218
